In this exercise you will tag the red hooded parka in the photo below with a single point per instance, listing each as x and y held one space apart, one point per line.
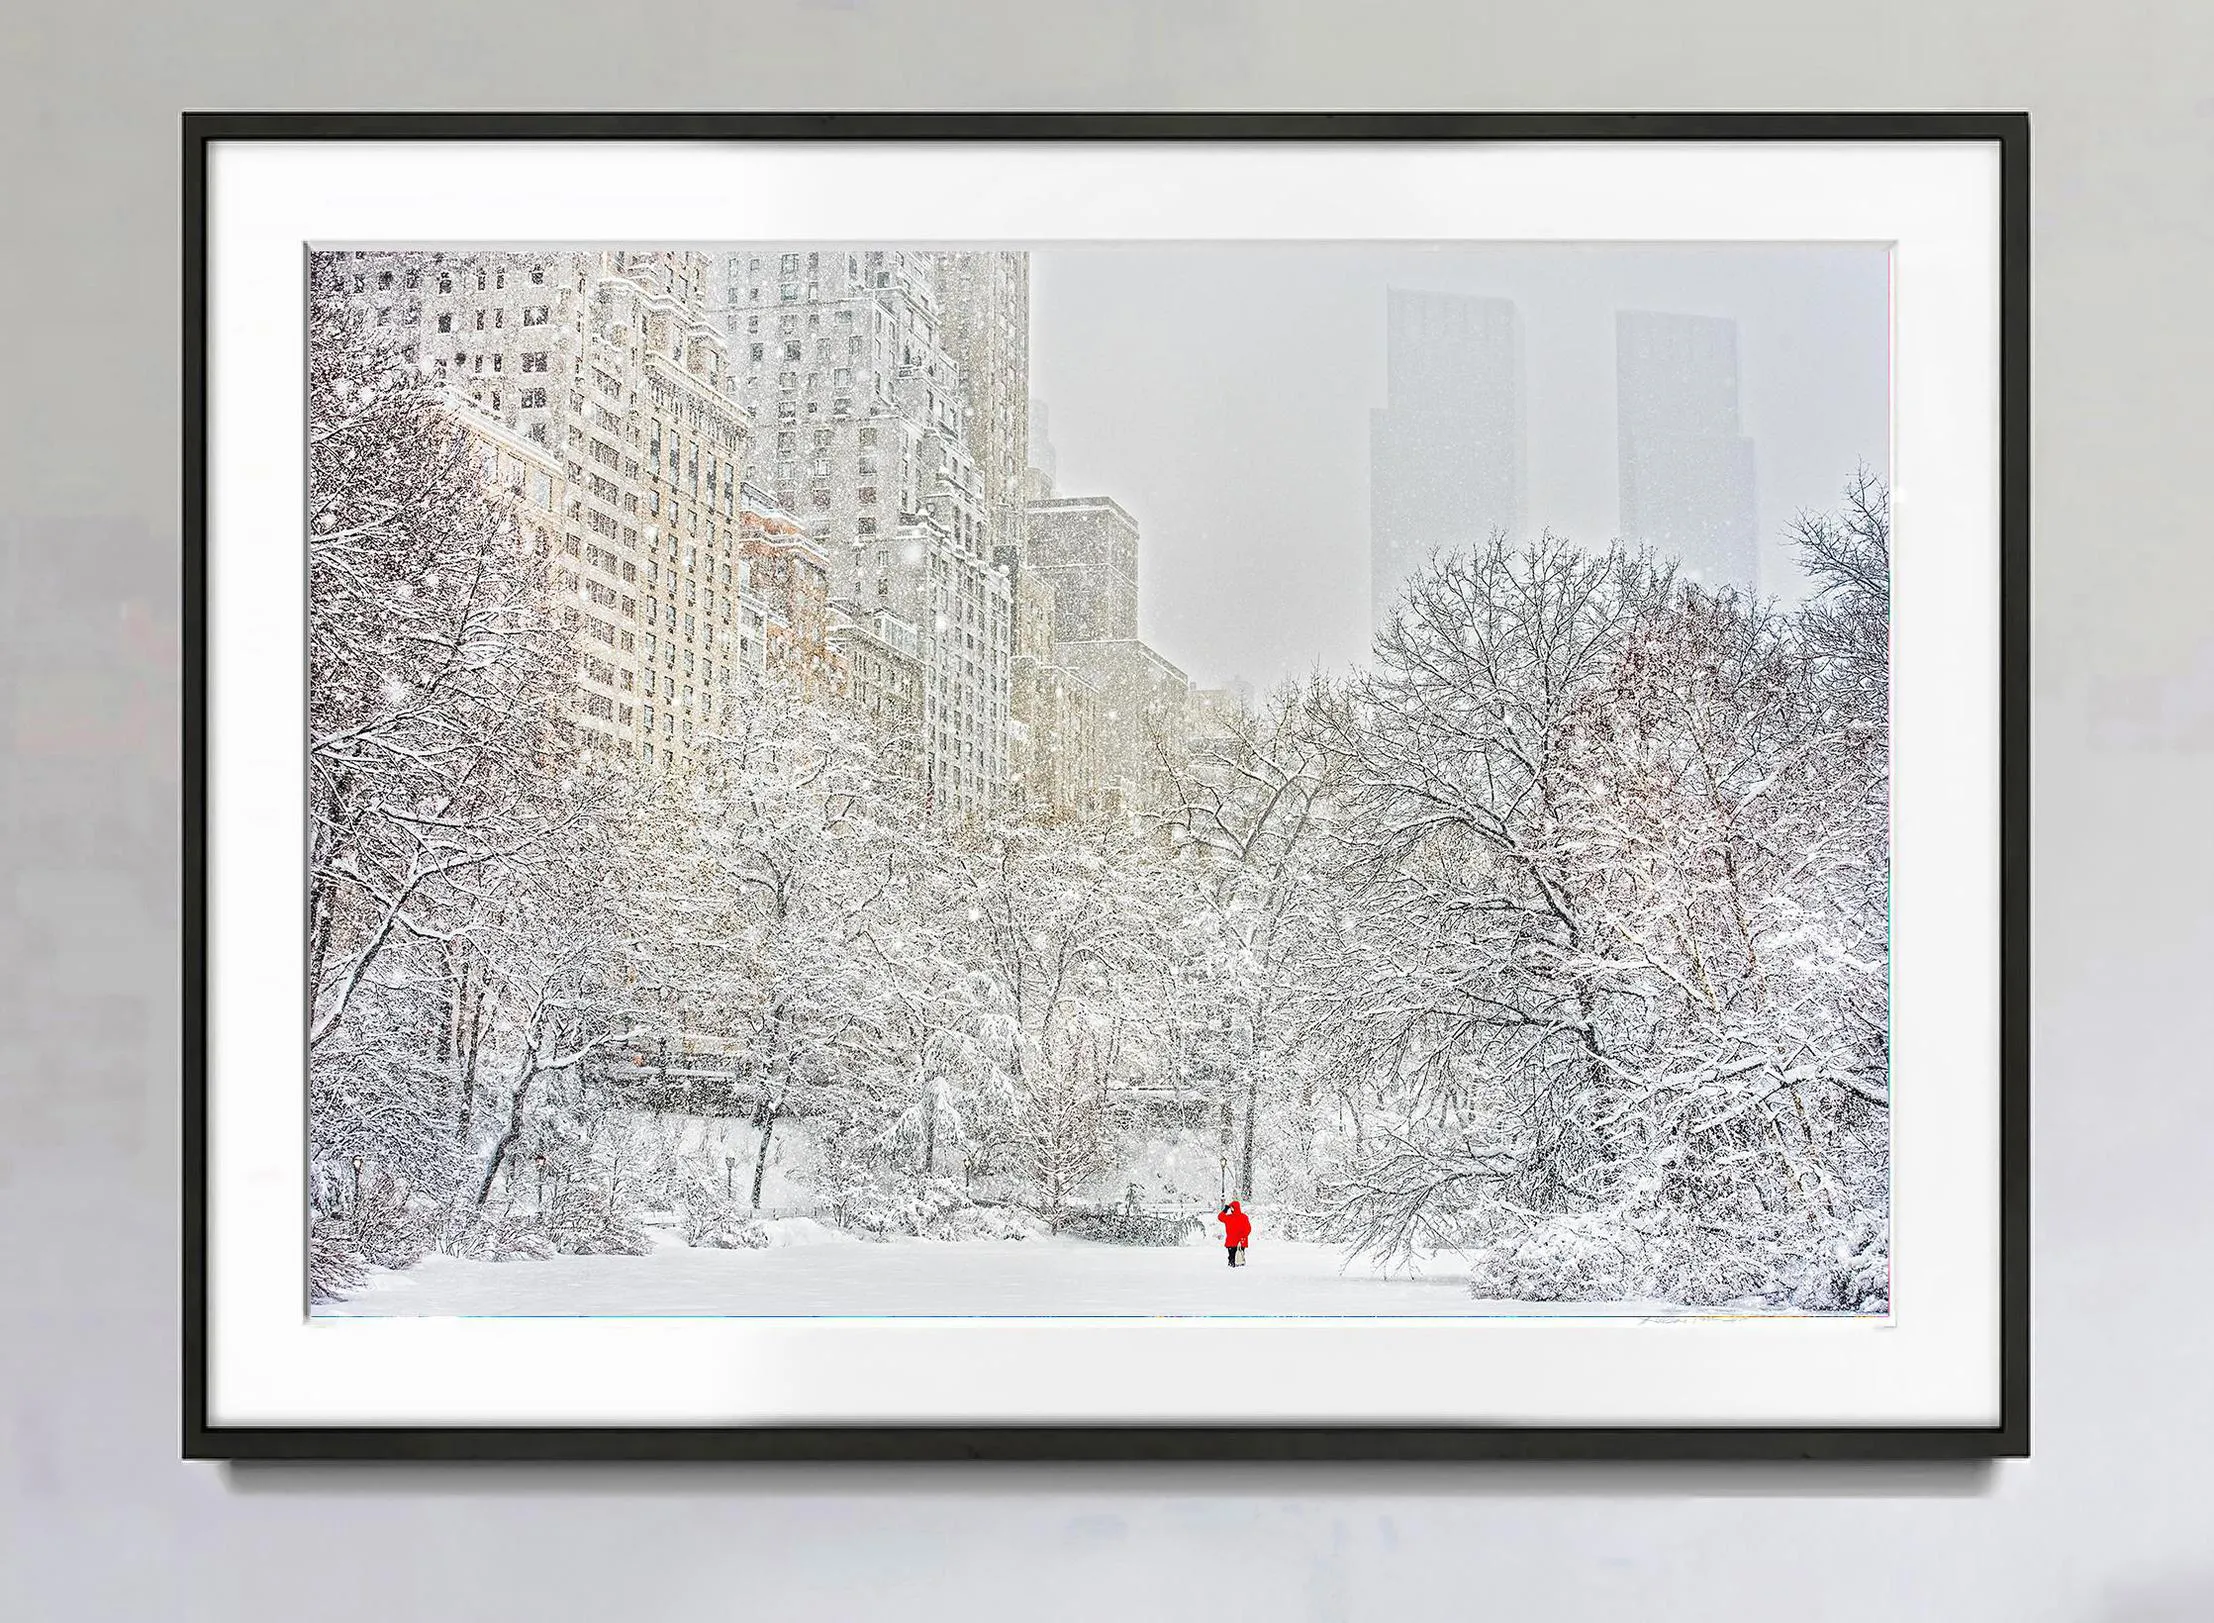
1236 1226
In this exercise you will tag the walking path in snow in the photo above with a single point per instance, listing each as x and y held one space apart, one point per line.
839 1276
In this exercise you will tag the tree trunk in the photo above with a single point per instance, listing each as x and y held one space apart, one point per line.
1252 1104
514 1129
930 1134
765 1119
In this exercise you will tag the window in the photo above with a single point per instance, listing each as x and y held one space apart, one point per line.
868 526
446 321
534 397
480 321
445 282
534 361
868 436
538 275
535 315
500 280
790 263
868 495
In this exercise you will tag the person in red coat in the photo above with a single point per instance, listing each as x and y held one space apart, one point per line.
1237 1228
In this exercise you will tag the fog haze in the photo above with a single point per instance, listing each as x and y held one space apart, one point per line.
1222 395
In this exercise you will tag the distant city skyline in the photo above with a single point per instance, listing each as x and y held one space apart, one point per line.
1448 465
1223 396
1688 476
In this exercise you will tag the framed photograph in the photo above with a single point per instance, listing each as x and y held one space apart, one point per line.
1088 786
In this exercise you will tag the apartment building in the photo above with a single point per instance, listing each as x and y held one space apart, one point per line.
599 387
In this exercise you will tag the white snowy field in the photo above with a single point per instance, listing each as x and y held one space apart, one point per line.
836 1275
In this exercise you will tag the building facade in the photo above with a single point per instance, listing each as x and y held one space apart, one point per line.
880 656
843 365
599 386
1446 451
984 316
790 575
1144 715
1056 727
1085 550
1686 469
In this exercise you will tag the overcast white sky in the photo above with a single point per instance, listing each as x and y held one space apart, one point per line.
1222 394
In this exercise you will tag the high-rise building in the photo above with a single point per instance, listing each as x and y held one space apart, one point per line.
984 324
858 403
1686 470
881 657
598 390
1038 478
1055 729
1446 461
1085 548
791 576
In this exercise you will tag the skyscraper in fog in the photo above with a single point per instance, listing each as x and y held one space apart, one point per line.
1686 471
1446 450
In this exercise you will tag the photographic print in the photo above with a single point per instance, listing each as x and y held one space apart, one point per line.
925 780
858 778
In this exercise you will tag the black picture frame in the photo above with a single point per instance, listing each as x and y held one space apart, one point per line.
2009 1437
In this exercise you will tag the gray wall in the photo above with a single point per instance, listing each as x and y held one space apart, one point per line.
2114 1518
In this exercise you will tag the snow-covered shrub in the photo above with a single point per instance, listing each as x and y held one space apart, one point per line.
335 1268
898 1208
933 1209
509 1237
392 1230
583 1223
986 1223
1656 1253
713 1220
1563 1258
1848 1272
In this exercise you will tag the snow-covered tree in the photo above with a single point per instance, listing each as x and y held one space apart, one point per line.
1253 803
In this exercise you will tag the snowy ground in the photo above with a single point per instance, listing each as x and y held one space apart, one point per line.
837 1275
